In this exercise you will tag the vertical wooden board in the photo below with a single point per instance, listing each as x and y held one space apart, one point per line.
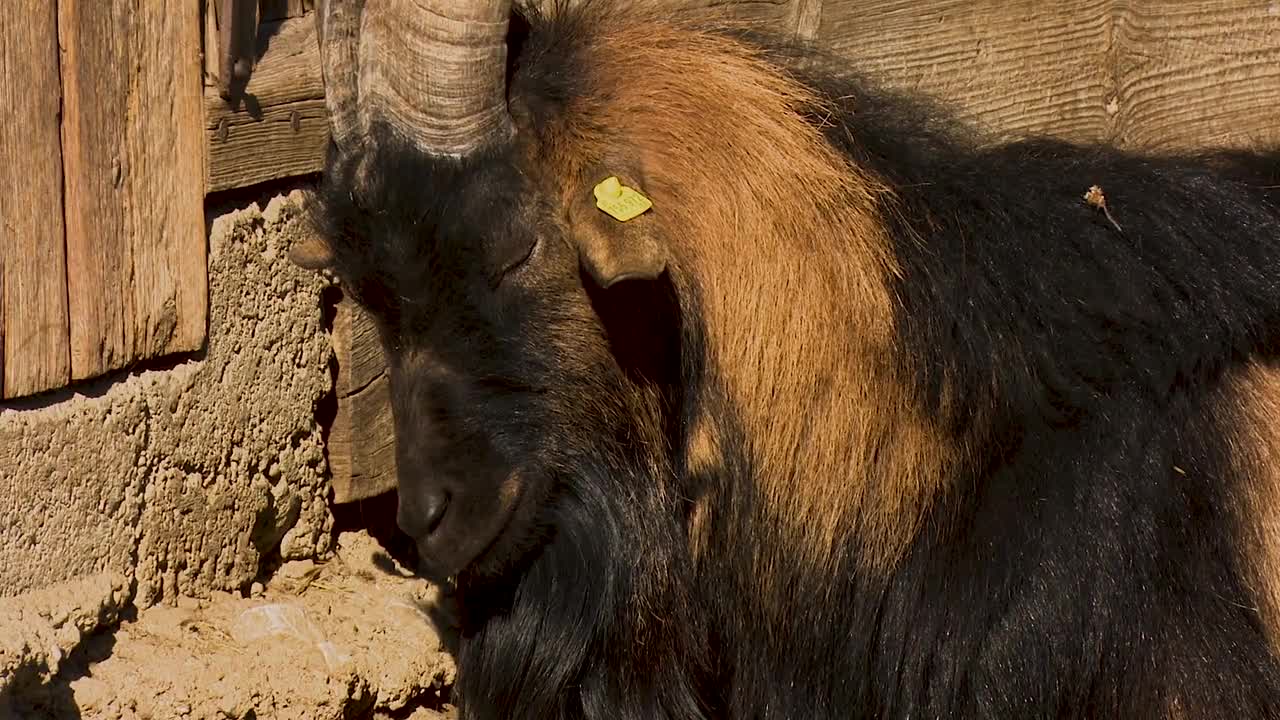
209 44
1199 73
362 439
133 144
33 290
1016 66
806 16
362 447
2 251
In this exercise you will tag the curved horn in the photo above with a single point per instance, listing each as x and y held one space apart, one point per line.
433 70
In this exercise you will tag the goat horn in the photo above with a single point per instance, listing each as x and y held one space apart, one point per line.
433 70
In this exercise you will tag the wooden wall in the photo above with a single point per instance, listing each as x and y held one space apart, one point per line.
102 249
1140 73
34 340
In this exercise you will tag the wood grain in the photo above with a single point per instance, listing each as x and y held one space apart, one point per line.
780 14
280 128
770 14
806 17
209 38
362 446
2 254
33 290
361 442
1015 66
360 354
1202 73
132 145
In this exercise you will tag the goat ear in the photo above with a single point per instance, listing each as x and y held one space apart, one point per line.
616 234
612 255
311 253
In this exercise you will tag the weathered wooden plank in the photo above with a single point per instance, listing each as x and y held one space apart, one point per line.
210 44
364 428
237 22
1202 73
2 254
362 361
269 12
283 141
1016 66
132 144
806 16
280 127
771 14
361 443
33 289
780 14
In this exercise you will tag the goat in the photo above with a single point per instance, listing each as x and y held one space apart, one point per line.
728 383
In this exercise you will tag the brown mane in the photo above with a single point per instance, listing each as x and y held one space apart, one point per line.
776 230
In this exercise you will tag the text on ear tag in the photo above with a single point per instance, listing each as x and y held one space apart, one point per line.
620 201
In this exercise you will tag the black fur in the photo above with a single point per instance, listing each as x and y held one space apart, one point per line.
1095 555
1086 568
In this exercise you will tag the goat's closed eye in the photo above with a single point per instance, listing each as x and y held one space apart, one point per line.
516 260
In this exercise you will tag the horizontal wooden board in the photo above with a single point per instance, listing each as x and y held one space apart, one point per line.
774 14
1158 73
780 14
1198 73
1017 66
137 284
280 127
33 293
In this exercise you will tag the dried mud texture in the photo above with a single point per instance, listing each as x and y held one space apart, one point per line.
183 479
352 637
41 629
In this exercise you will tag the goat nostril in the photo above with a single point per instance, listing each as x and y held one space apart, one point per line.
433 508
419 519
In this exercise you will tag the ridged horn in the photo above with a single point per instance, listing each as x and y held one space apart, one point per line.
433 70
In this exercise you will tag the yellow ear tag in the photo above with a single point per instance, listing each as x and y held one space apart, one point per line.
621 202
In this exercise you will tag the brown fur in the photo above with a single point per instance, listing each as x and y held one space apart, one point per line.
766 219
1253 399
700 457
